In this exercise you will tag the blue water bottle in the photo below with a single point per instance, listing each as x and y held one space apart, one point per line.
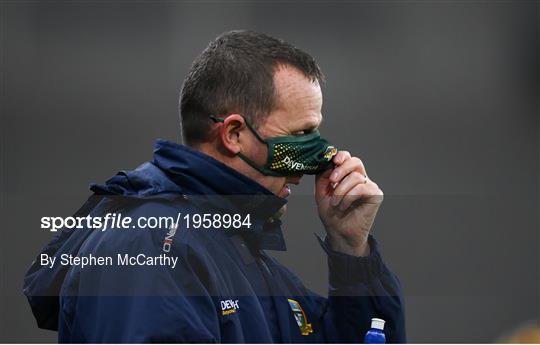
375 335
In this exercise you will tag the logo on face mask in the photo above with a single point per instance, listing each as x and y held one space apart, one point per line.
330 152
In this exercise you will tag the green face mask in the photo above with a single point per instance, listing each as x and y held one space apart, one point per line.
292 155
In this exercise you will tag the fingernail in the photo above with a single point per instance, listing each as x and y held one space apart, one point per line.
334 176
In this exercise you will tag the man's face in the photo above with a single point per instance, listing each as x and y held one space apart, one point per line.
298 112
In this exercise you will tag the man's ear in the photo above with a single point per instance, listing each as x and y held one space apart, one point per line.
229 133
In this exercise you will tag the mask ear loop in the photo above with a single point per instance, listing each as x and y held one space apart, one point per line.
217 119
246 159
221 120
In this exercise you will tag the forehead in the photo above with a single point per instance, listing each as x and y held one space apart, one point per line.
299 99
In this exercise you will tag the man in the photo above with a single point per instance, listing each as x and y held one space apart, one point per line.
250 108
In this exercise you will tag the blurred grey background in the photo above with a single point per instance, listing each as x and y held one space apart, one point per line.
440 99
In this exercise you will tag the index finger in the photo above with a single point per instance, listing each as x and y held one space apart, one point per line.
341 157
348 166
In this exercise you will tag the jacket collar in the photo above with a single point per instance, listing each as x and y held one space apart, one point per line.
208 181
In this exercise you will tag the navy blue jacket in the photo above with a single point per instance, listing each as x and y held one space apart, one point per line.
224 287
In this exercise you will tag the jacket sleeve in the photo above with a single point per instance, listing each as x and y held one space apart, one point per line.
122 304
144 305
361 288
41 284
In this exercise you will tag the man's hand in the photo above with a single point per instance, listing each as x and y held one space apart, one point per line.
347 201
